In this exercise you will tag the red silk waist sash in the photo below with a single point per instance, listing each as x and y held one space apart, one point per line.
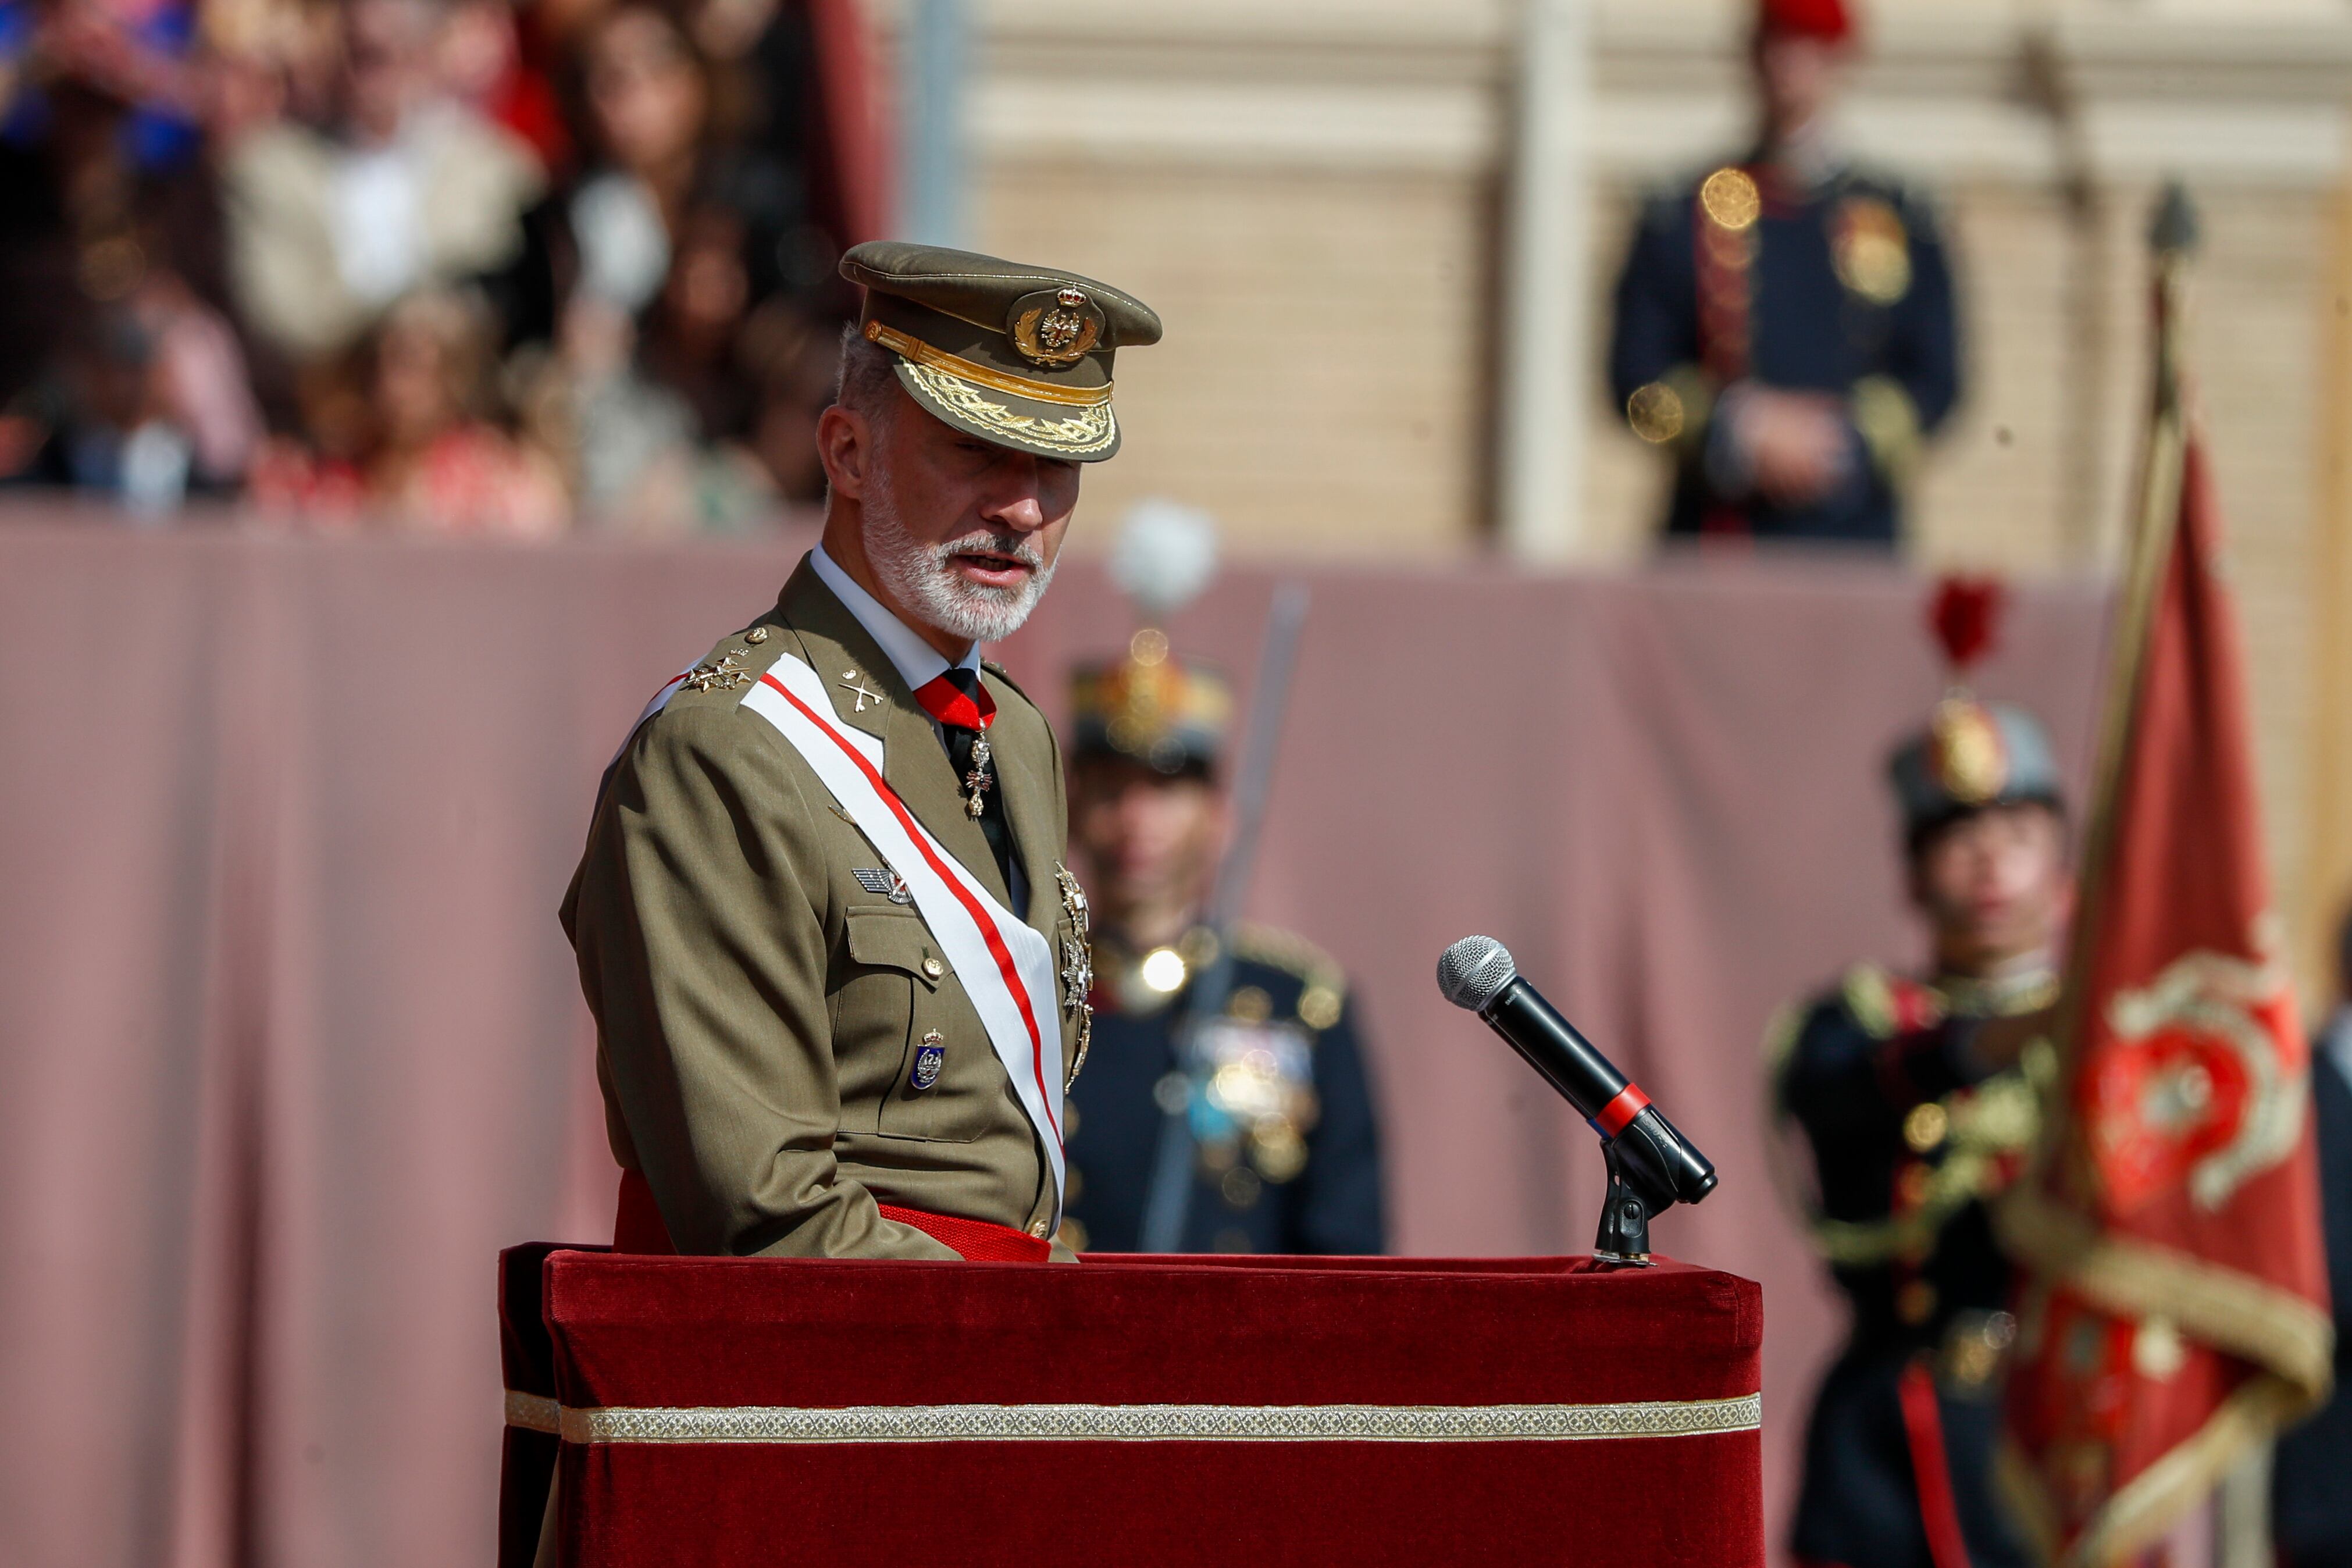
637 1228
976 1240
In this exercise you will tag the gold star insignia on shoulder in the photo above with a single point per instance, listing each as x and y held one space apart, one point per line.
723 674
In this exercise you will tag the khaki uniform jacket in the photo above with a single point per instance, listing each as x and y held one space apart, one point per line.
758 1009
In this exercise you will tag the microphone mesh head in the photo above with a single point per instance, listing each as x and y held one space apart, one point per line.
1473 971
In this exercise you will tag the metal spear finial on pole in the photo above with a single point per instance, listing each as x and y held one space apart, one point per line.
2173 230
2172 238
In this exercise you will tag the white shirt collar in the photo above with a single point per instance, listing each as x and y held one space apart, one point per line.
917 662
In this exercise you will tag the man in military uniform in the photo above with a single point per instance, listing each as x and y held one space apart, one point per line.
838 967
1259 1135
1919 1098
1785 325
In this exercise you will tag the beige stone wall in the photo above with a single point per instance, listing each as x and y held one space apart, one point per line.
1312 195
2259 343
1344 417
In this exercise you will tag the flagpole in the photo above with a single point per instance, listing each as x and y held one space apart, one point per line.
2172 241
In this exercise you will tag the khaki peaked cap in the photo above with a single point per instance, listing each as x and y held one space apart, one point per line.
1018 356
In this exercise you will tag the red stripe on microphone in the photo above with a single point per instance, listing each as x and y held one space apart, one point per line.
980 916
1614 1116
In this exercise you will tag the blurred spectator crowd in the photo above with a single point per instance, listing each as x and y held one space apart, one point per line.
499 267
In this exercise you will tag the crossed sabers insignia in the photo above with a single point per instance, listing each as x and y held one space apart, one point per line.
856 685
725 675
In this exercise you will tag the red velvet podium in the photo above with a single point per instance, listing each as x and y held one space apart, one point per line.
1130 1410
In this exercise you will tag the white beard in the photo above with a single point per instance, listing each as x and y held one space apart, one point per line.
919 578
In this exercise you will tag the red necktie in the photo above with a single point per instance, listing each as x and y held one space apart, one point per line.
964 709
959 704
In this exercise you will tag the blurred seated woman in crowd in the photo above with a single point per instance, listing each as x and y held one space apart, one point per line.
403 435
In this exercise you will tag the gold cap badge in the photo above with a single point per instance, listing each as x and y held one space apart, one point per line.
1966 753
1055 328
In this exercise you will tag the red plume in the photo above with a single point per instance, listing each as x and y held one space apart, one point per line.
1827 20
1965 613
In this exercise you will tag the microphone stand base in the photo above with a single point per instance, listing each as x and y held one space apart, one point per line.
1619 1260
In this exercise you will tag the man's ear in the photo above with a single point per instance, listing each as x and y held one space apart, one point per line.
845 444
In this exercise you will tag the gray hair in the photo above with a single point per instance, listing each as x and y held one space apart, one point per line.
868 380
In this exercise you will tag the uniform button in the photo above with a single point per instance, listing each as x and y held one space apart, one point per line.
1038 1228
1925 1127
932 968
756 635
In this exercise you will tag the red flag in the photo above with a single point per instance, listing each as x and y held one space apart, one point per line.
2174 1309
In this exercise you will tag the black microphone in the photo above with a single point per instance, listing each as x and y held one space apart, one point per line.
1477 973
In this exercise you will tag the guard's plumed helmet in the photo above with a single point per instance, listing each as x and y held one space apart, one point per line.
1170 714
1972 754
1152 707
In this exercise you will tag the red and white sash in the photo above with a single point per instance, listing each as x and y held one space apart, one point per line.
1006 967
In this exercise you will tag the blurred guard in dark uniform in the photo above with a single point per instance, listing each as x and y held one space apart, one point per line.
2311 1506
1785 325
1272 1117
1919 1098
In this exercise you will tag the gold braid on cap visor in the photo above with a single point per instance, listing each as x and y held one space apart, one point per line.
949 380
917 352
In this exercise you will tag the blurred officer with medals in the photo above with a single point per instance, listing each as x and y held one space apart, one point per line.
1241 1122
1919 1098
1785 325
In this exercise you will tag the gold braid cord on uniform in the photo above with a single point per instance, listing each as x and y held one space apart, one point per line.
1982 1126
1996 1119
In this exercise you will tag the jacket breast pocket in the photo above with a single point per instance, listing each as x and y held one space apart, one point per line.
921 1055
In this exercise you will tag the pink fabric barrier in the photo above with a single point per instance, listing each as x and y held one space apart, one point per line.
292 1044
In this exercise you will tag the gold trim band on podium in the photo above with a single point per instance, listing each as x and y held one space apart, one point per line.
1137 1423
